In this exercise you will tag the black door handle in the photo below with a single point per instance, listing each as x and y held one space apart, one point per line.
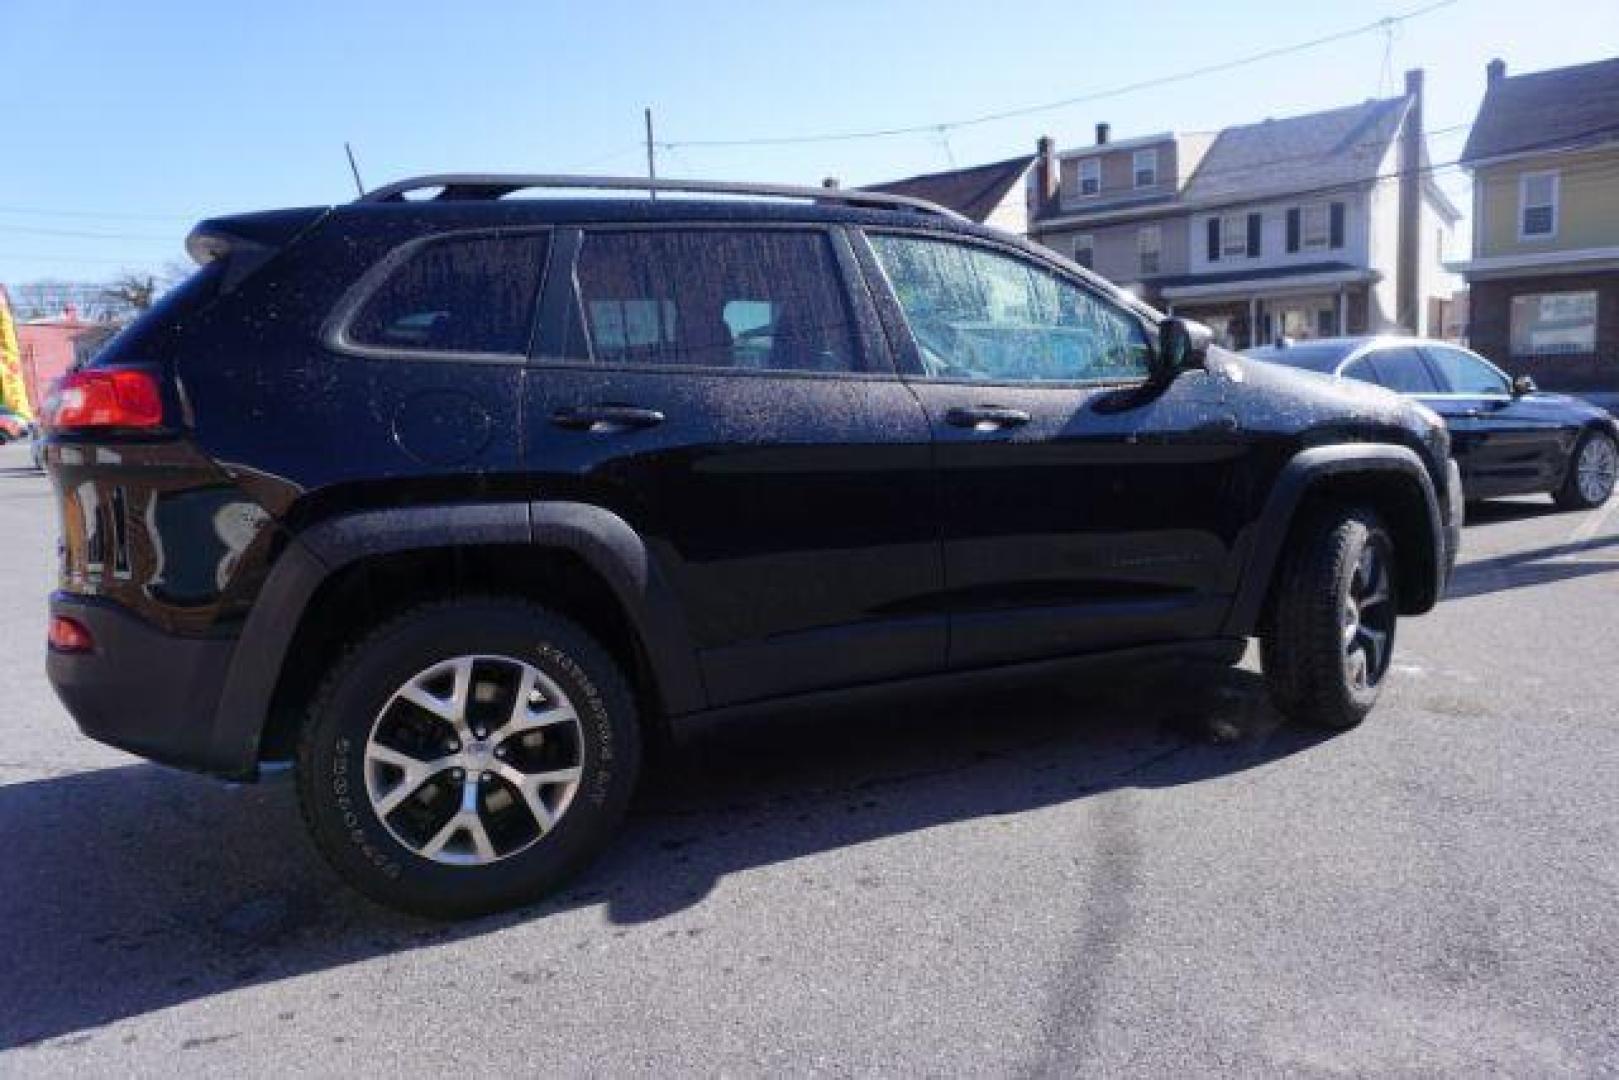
987 417
604 418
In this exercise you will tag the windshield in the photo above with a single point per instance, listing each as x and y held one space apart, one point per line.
1311 356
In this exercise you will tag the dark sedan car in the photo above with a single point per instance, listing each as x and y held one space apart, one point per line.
1507 436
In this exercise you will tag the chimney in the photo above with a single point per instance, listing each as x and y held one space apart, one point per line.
1046 176
1495 71
830 182
1102 131
1407 257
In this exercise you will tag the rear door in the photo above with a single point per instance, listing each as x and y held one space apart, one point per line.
1505 444
1083 509
724 391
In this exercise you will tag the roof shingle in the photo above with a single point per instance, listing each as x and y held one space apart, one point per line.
973 193
1569 106
1303 153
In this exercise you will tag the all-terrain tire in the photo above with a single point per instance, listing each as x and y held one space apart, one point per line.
336 769
1305 648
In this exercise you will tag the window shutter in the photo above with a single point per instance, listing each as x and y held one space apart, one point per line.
1214 239
1293 228
1253 235
1337 225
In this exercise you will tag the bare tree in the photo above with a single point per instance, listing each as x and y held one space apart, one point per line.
132 290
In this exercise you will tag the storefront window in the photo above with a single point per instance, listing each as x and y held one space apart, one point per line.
1552 324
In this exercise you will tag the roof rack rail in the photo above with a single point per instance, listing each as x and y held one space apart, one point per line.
457 186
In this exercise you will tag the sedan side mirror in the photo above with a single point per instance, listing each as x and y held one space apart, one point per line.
1182 344
1523 385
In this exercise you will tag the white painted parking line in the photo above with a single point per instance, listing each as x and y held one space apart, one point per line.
1591 526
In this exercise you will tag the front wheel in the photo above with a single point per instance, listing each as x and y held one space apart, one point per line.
1592 470
468 756
1329 638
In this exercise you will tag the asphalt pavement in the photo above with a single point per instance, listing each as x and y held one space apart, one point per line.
1137 874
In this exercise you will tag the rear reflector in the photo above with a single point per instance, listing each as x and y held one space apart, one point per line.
70 635
106 398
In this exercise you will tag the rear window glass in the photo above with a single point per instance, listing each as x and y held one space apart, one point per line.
742 299
1310 357
470 294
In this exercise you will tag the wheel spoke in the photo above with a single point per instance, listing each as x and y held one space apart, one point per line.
1375 642
414 772
529 714
527 786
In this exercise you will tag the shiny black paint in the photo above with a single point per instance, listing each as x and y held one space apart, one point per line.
1514 445
805 531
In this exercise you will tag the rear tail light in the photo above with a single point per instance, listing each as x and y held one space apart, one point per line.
70 635
107 398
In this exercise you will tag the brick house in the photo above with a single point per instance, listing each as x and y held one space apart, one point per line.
1308 226
1544 271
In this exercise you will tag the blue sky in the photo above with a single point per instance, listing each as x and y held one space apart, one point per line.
131 121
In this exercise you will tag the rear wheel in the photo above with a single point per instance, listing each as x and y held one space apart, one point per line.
1592 470
468 756
1330 636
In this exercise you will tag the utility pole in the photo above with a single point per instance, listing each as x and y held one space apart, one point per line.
355 169
651 159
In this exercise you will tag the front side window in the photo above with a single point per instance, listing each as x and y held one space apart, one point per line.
1315 221
1090 177
979 314
1537 204
1461 372
1149 244
461 294
740 299
1146 168
1549 324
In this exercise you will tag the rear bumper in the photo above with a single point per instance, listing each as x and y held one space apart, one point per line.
147 691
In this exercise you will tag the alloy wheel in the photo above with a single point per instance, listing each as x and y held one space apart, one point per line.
1596 469
1367 619
474 759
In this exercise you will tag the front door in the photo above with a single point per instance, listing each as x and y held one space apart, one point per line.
1504 444
1083 508
723 391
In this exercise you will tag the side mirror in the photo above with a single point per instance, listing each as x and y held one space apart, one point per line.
1523 385
1182 344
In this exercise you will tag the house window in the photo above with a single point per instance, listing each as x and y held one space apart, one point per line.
1090 177
1149 242
1146 168
1233 236
1085 250
1537 205
1549 324
1314 234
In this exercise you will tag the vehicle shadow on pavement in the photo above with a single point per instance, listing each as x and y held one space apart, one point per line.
133 889
1537 566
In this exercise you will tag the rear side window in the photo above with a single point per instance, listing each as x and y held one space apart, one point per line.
462 294
1398 369
741 299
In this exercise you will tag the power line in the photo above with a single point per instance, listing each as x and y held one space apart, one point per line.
1029 110
77 233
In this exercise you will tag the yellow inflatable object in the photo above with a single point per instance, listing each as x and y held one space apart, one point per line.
13 391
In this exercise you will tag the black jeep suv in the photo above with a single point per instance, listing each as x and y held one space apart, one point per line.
456 499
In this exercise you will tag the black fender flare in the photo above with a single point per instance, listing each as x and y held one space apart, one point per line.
602 539
1307 469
